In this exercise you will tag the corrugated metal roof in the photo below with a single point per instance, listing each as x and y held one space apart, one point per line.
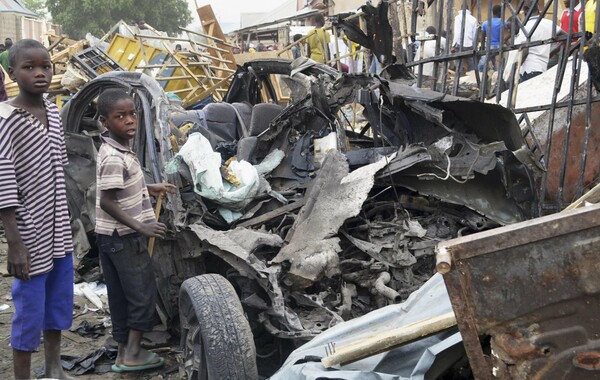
15 6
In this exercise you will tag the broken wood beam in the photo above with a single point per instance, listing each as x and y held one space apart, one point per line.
387 340
592 196
272 214
223 42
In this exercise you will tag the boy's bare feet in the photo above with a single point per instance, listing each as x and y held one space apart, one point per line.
132 354
54 368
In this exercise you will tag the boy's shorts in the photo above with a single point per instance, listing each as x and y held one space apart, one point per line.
129 275
45 302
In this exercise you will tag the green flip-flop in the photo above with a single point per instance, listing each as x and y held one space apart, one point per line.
149 364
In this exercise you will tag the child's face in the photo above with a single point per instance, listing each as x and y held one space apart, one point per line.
122 121
32 70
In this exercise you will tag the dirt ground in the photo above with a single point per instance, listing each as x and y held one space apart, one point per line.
74 344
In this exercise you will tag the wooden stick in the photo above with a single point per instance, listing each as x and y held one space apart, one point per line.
386 340
157 214
591 196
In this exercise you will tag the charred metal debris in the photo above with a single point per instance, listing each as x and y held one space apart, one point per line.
319 211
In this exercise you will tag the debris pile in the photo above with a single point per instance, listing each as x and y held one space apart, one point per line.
313 220
355 230
202 71
319 205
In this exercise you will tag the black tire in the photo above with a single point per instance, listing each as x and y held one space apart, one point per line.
215 336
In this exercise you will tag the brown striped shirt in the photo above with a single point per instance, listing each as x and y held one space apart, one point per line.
32 180
118 168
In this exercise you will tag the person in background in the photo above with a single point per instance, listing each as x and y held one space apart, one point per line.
565 18
464 41
495 32
34 212
318 41
3 96
342 49
4 55
296 49
534 60
427 50
251 48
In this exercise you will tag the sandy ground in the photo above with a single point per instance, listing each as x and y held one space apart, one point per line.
73 344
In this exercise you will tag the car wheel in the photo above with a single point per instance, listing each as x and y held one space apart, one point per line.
215 336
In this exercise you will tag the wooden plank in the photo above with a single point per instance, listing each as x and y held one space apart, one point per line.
387 340
212 28
592 196
272 214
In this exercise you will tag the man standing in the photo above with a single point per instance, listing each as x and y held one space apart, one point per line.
495 32
426 50
535 59
565 18
465 32
4 55
318 41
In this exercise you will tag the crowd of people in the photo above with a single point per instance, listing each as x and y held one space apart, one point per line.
497 31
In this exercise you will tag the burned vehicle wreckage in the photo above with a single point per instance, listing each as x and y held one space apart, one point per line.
315 212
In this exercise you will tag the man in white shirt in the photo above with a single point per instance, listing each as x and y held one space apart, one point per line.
427 50
535 59
465 41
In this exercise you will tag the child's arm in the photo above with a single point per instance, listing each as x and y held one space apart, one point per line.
108 203
19 260
159 189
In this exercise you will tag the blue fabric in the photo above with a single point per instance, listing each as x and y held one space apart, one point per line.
496 31
527 76
45 302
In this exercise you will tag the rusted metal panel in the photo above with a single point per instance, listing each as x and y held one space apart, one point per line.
527 297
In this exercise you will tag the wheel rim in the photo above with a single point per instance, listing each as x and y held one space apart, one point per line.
194 360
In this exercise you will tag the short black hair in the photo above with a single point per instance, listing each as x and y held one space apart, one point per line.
319 19
297 37
8 42
109 97
14 50
496 10
431 30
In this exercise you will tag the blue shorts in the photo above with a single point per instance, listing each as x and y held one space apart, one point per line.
45 302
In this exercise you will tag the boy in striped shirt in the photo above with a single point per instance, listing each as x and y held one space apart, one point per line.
33 209
124 219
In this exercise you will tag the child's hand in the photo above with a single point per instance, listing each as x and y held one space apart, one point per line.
154 229
159 189
19 261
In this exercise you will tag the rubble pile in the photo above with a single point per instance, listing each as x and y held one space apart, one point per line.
312 219
342 222
320 196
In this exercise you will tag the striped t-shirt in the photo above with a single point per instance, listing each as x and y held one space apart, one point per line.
118 168
32 180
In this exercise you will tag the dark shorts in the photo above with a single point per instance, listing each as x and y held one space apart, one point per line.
45 302
130 281
527 76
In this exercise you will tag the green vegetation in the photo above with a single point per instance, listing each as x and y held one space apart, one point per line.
81 16
36 6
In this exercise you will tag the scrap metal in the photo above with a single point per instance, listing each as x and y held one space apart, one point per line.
537 317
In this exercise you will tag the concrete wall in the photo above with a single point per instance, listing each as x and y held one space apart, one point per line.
9 26
18 27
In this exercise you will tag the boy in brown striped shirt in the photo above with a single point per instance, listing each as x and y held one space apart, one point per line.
124 219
